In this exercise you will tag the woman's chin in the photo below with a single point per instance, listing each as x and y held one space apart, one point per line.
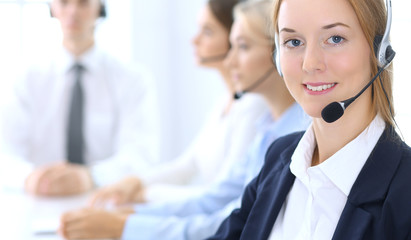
314 112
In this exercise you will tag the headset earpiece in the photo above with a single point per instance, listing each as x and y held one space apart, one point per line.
51 12
377 42
382 46
276 55
103 12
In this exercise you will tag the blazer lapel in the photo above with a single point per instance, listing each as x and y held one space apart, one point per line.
353 223
371 186
272 195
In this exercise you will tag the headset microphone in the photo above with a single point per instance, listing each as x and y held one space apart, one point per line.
215 58
333 111
384 53
238 95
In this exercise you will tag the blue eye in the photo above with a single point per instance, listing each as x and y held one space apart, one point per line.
335 39
293 43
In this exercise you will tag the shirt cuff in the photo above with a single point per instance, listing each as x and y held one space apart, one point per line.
114 169
140 226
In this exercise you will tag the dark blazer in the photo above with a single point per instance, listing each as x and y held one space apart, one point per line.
378 206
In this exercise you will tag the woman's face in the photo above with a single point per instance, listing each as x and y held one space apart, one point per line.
325 56
211 42
249 58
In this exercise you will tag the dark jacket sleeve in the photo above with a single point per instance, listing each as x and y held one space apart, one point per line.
233 226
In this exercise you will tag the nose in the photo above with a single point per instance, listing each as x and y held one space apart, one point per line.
313 59
196 39
72 8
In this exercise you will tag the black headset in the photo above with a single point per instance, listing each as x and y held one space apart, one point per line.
102 13
382 46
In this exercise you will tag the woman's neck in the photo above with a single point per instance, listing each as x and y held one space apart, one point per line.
332 137
276 94
278 103
225 74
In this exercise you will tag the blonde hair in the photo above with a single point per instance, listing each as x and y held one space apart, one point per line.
257 16
372 16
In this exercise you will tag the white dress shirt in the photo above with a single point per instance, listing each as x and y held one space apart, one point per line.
223 140
318 196
120 117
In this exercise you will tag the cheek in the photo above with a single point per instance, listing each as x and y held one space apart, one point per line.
256 66
294 87
291 64
216 46
246 69
352 68
292 72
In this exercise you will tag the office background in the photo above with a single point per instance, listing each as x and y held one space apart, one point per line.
158 34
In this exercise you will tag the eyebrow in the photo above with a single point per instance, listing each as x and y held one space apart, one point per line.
287 30
240 38
335 25
325 27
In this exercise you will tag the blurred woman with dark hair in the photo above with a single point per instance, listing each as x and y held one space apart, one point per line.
223 140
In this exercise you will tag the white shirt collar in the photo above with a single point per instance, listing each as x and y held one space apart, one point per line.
343 167
66 60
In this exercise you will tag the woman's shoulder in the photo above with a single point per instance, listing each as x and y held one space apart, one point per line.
396 204
402 149
252 104
404 167
406 150
396 166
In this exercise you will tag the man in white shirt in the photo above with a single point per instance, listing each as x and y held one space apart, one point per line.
82 103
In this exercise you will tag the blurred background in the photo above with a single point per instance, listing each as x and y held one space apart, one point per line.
158 34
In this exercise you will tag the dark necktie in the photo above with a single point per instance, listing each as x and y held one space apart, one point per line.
75 139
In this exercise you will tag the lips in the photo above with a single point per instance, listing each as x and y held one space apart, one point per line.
319 88
235 77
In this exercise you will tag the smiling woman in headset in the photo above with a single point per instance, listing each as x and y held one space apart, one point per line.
348 175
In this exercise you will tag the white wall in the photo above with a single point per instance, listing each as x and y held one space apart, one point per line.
161 34
400 35
158 33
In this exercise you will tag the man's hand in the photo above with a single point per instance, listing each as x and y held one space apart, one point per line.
60 179
92 224
128 190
